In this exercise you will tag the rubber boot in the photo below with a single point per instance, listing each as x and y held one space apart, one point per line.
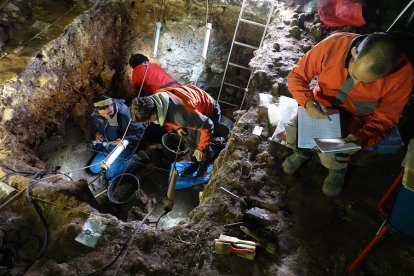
202 169
192 168
293 162
332 186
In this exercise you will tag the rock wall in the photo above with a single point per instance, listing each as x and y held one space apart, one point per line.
91 57
68 71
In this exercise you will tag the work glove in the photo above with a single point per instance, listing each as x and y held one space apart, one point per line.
181 132
199 155
98 137
351 138
314 112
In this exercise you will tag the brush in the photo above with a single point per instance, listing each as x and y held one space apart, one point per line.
236 241
225 248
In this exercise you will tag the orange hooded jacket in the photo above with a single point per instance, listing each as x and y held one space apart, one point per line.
378 104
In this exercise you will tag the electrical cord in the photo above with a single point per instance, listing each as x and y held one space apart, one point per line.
42 219
125 247
2 206
158 220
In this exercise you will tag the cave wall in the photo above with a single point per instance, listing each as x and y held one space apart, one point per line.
90 57
65 71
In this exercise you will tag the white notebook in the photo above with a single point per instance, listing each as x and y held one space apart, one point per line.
309 128
332 145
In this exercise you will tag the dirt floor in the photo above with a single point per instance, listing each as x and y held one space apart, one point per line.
312 234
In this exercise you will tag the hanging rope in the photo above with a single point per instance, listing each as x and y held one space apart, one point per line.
5 2
207 13
24 43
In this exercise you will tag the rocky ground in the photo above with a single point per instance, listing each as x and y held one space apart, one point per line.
314 235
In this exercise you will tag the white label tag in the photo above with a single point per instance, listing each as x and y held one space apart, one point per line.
257 130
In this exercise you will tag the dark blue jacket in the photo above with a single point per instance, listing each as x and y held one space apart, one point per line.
111 133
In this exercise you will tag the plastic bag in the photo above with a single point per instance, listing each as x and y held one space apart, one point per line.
341 13
287 110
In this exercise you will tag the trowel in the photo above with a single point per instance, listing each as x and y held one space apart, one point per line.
255 214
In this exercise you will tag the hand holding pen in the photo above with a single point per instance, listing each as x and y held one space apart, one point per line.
319 107
317 110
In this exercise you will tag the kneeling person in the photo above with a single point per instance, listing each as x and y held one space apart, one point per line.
188 110
110 121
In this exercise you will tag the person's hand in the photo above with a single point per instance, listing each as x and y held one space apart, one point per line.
351 138
98 137
314 112
181 132
117 141
198 154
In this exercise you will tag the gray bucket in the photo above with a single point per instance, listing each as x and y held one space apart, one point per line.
170 143
223 127
123 188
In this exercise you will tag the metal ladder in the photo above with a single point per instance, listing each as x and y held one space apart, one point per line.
232 65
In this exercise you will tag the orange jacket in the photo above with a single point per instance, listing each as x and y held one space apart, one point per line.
378 104
190 107
155 79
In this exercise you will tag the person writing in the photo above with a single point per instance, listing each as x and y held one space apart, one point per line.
110 121
148 75
188 110
367 78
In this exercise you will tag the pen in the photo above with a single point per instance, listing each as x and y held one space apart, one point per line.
318 106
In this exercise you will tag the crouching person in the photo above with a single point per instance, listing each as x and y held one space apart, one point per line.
188 110
110 120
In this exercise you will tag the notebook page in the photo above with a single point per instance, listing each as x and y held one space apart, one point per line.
309 128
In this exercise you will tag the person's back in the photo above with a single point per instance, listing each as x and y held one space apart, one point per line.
192 97
148 75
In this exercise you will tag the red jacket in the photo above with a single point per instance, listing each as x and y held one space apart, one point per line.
155 78
378 104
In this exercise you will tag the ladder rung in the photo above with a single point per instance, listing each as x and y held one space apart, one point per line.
252 22
240 66
235 105
233 85
246 45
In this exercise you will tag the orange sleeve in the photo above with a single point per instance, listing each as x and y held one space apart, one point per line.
205 136
309 66
170 126
387 114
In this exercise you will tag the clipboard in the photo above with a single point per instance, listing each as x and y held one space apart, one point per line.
309 128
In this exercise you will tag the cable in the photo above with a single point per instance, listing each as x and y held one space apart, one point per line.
43 221
2 206
124 246
47 27
158 220
5 2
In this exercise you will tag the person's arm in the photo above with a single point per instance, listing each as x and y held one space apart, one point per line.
169 127
180 117
386 115
135 133
202 124
309 66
